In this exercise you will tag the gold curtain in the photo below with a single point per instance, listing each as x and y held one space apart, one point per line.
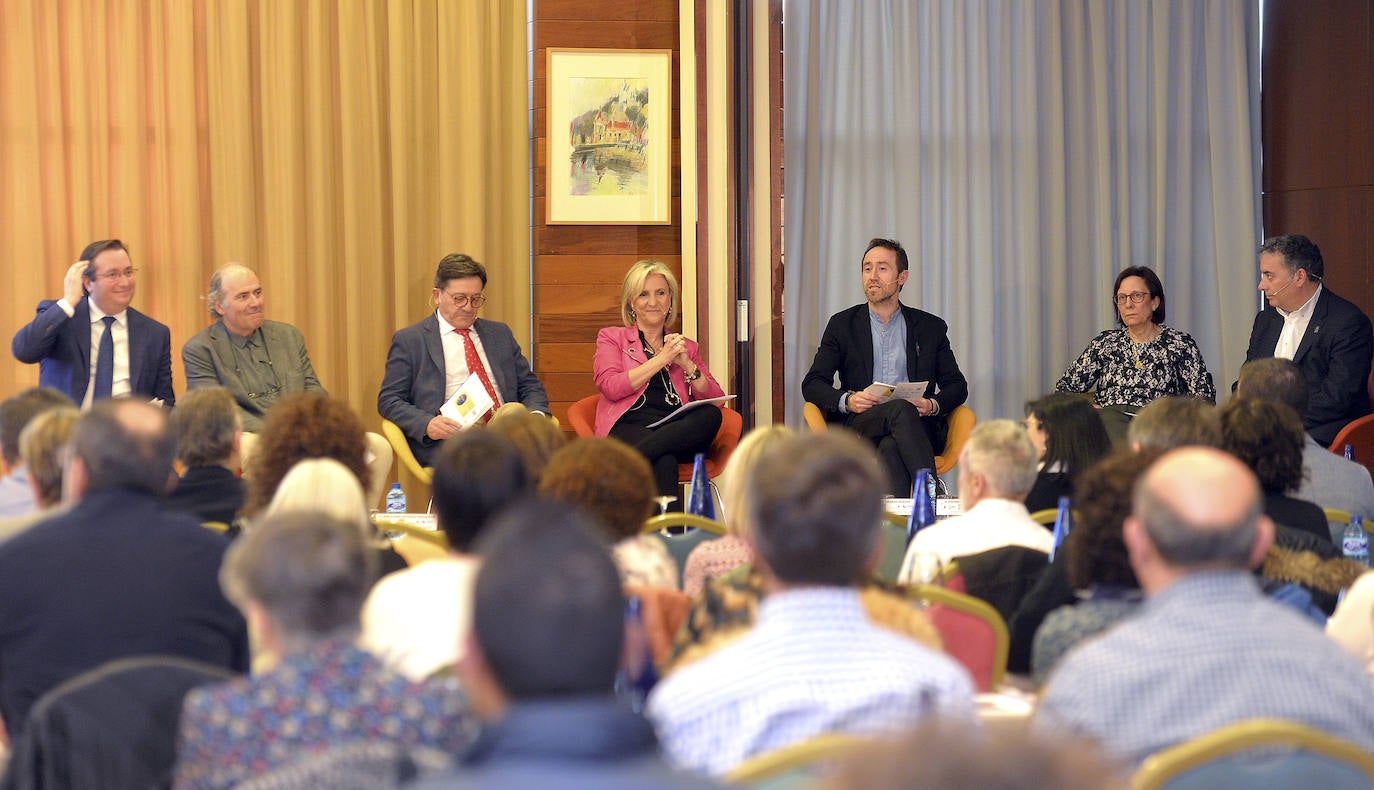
339 148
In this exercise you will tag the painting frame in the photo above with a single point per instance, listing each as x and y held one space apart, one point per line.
608 163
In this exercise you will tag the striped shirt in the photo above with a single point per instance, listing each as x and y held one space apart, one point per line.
814 664
1207 651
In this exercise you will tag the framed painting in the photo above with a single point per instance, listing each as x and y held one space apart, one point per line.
609 137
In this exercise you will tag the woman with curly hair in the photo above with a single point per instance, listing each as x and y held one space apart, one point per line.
1268 437
300 426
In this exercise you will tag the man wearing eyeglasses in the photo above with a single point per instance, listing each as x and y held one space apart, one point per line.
91 344
257 360
864 345
430 360
1327 337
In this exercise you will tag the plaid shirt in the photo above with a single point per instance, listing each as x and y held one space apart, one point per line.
1207 651
814 664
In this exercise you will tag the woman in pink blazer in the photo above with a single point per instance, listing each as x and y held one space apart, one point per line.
645 373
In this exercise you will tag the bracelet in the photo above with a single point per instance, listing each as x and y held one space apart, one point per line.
694 376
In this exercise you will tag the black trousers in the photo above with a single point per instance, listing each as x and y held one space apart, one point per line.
903 437
674 442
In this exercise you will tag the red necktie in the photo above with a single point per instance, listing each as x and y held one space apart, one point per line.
475 365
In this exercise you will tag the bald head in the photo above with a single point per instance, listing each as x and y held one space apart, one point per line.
1200 506
124 443
235 297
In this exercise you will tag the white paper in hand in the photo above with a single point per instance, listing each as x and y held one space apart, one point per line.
907 390
469 403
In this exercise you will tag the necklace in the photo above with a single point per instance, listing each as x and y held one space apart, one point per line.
670 395
1137 345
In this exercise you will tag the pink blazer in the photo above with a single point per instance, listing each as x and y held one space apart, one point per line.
617 351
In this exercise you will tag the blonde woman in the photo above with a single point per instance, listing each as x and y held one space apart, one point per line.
644 373
718 557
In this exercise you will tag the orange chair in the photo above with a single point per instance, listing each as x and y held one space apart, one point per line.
1360 434
961 422
582 415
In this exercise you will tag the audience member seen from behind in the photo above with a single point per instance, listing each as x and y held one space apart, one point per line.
300 579
1207 648
1097 564
301 426
1268 438
1068 435
115 575
644 373
42 445
1143 360
1328 479
608 479
996 469
720 556
206 423
535 435
17 411
417 620
813 504
1175 421
547 633
936 757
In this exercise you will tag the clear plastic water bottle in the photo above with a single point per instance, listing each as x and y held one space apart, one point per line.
1355 542
1350 452
396 499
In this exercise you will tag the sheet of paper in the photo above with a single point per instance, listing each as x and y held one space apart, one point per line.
907 390
689 405
469 403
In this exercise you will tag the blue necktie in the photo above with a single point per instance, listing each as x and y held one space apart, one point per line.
104 362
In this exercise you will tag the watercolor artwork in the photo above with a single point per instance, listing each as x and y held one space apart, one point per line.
609 136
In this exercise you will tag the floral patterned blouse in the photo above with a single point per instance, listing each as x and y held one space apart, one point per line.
1129 374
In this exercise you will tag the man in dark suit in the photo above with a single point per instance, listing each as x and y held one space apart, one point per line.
257 360
115 575
1328 338
430 360
864 345
67 336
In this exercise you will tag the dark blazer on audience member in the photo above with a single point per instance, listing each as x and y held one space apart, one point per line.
1334 356
210 493
62 348
413 387
114 576
847 348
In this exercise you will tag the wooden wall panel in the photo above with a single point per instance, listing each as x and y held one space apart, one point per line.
1318 129
578 268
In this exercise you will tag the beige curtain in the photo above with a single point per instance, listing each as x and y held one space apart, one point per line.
340 148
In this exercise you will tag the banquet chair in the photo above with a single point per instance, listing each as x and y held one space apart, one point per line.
582 415
1259 754
1045 517
698 530
973 633
798 765
961 422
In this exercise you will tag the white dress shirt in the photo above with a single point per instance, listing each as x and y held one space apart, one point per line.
456 361
990 524
119 330
1295 326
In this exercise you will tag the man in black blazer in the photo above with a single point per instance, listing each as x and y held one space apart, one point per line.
427 362
115 575
66 332
1329 338
863 345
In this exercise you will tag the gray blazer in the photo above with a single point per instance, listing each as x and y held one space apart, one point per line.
209 361
413 387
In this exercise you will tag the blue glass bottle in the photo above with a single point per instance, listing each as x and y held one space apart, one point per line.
922 503
1063 524
699 501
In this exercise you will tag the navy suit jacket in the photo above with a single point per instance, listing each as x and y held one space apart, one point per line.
413 387
62 348
847 348
1334 356
115 576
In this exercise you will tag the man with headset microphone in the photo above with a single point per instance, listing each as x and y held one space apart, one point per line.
1326 336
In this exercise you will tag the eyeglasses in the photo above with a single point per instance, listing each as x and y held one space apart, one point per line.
1134 297
463 300
109 277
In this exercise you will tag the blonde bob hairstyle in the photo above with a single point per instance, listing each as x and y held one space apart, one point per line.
739 469
634 283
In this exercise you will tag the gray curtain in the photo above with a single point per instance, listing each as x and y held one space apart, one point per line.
1023 152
